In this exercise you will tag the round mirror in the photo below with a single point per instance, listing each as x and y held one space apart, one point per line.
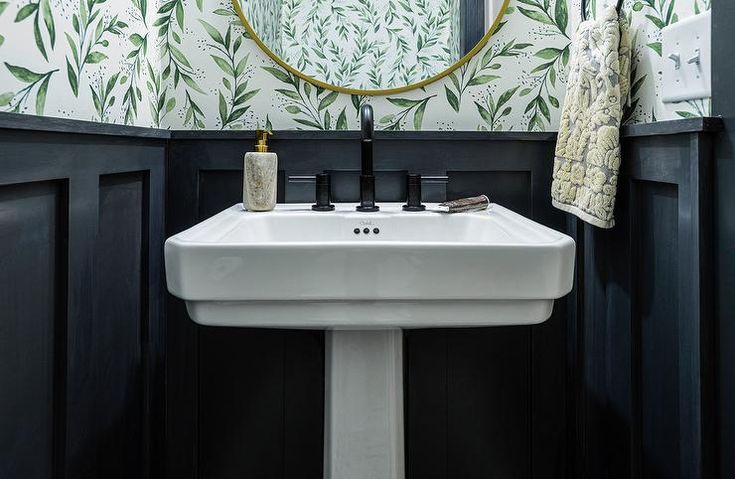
371 47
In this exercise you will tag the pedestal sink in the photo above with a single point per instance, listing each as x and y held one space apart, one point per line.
364 277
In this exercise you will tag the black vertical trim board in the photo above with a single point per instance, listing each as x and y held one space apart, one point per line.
646 340
723 104
620 382
95 205
31 231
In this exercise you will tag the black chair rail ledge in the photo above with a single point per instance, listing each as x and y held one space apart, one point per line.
116 381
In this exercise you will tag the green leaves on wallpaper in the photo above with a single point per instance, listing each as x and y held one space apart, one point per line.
480 72
134 63
90 38
3 6
42 17
544 76
661 14
540 86
308 104
160 103
37 82
492 111
541 12
395 121
102 97
170 24
34 81
232 104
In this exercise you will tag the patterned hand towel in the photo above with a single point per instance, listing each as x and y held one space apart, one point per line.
588 147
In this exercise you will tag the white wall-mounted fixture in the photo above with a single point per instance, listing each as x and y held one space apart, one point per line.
687 59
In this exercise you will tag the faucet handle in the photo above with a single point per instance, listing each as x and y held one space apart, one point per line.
323 189
413 199
413 187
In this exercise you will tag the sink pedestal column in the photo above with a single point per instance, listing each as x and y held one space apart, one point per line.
364 405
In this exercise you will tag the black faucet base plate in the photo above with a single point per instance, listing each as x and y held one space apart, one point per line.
367 209
322 208
414 208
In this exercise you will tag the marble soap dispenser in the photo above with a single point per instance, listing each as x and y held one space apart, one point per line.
260 176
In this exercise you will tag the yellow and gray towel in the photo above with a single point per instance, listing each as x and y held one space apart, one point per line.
587 157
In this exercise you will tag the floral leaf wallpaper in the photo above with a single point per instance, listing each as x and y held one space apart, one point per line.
187 64
90 39
37 11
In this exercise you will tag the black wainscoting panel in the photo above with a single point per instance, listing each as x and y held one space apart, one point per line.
108 401
303 408
240 370
390 186
426 391
489 403
646 343
511 189
224 187
32 319
85 215
655 284
267 375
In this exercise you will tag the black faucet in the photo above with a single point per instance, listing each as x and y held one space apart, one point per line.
367 178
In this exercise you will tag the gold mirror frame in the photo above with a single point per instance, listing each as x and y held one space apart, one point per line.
354 91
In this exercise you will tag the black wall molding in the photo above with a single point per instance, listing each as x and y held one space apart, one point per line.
19 121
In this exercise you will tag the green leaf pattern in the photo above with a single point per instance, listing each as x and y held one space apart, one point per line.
189 64
235 96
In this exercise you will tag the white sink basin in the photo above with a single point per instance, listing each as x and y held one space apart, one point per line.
294 268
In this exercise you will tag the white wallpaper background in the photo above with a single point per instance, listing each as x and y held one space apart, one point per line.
186 64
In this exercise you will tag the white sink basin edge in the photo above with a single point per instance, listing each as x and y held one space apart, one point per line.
294 268
370 314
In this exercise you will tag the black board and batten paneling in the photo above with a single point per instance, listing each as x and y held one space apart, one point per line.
81 344
240 386
646 340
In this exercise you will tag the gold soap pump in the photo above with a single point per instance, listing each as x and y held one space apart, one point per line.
262 136
260 175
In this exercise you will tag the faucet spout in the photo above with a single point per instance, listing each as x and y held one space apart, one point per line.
367 129
367 178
